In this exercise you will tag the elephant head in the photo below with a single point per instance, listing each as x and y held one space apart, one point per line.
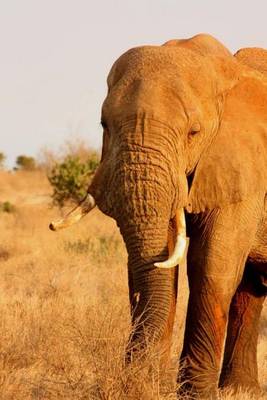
161 121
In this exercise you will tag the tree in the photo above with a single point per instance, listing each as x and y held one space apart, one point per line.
71 177
2 160
25 163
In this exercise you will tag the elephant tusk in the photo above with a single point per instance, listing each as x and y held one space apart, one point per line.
177 256
180 245
83 208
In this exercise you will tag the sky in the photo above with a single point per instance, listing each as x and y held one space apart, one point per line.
55 56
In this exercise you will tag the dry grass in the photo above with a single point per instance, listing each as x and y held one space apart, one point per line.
64 315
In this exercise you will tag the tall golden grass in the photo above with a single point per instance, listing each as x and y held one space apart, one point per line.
64 313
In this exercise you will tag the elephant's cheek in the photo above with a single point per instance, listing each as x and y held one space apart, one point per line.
101 188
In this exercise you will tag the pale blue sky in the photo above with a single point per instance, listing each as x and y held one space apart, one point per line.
56 54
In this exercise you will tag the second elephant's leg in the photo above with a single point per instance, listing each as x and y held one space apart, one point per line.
240 357
219 244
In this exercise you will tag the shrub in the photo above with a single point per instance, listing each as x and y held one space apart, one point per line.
79 246
25 163
7 207
73 147
47 159
71 177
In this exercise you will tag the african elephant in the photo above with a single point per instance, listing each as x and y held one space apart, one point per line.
185 154
254 57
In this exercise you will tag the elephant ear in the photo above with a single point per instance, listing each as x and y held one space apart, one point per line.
234 165
105 144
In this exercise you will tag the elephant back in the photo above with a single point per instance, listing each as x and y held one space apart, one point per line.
202 44
253 57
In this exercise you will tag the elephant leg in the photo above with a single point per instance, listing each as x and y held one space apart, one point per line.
204 338
144 296
240 356
219 245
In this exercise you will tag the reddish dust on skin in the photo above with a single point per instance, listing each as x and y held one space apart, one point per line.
220 323
242 309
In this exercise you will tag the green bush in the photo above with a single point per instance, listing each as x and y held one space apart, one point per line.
79 246
7 207
71 177
25 162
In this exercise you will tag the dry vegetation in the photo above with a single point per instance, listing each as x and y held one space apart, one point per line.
64 315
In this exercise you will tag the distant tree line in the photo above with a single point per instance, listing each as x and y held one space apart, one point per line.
26 163
2 160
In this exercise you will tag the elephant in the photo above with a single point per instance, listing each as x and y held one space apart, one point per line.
254 57
184 159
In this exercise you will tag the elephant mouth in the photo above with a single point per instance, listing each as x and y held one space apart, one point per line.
88 203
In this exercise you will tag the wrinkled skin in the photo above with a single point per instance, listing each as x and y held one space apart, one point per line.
254 57
185 126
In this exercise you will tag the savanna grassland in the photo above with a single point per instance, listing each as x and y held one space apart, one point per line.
64 313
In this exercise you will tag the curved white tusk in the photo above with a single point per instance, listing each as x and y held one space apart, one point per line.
177 256
180 245
86 205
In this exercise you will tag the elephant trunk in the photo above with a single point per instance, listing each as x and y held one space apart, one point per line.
145 205
151 288
142 184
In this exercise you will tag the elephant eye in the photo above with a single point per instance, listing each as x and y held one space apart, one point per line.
195 129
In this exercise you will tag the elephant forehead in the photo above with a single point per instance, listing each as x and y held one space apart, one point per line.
168 102
158 61
160 78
